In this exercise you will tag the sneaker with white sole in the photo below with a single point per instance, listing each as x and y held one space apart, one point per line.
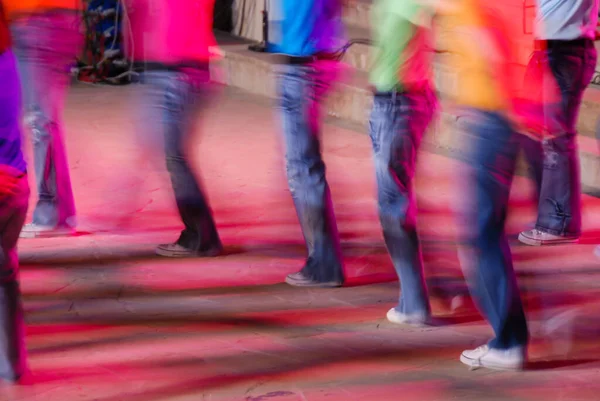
417 319
33 230
175 250
493 358
536 237
301 280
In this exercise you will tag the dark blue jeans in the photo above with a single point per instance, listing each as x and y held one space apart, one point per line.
396 127
490 169
13 210
555 161
172 105
302 89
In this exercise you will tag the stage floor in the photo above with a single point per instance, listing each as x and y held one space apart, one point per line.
109 321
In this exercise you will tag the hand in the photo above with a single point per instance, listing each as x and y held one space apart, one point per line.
8 184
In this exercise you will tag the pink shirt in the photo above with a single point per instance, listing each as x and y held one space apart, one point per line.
169 31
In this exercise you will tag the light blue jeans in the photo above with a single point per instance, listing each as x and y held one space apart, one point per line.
396 127
46 46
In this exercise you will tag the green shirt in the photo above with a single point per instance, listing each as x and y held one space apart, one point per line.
395 25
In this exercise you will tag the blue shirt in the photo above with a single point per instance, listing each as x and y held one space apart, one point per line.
306 27
566 19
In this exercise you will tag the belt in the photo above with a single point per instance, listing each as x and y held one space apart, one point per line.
301 60
408 88
154 66
553 43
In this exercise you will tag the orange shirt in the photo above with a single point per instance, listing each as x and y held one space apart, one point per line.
13 8
484 53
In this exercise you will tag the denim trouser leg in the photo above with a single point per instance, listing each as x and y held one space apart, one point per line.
13 355
397 124
13 210
534 155
302 88
491 164
559 208
172 105
46 46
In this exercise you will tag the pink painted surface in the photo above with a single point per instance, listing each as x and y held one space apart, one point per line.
108 321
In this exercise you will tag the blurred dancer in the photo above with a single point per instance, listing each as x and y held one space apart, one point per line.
14 199
565 34
171 41
403 106
47 40
311 30
484 60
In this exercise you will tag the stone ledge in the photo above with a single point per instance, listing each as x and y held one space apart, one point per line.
351 102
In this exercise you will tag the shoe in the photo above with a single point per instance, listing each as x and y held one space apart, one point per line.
536 237
492 358
177 251
300 280
33 230
417 319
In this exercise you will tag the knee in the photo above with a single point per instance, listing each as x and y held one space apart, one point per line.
304 167
174 161
556 149
305 172
291 101
39 125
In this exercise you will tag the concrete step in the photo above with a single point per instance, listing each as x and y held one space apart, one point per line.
351 102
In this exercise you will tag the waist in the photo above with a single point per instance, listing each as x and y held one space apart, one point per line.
302 60
18 171
24 13
561 44
179 66
415 88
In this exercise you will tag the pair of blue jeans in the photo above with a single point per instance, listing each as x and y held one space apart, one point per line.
172 105
302 89
555 161
397 123
490 166
13 210
46 46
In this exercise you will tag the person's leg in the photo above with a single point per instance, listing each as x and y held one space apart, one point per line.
13 355
532 148
301 91
397 124
559 209
173 105
13 210
46 46
490 271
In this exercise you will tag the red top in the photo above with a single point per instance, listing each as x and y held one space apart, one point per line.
4 33
169 31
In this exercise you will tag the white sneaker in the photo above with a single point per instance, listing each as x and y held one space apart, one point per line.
401 318
492 358
33 230
536 237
